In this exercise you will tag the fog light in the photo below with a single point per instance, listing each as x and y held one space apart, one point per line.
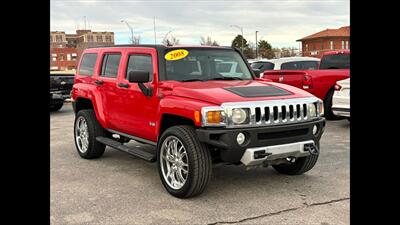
315 129
241 138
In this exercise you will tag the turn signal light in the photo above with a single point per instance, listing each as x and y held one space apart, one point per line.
214 116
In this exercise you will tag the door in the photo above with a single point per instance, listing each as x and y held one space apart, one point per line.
107 83
138 113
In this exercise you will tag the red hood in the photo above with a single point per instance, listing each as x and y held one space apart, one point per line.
213 92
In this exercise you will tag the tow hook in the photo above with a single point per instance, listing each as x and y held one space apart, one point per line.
312 148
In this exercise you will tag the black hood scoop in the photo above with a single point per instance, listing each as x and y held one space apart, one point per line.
258 91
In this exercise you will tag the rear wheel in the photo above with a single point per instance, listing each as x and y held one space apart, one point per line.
328 107
86 129
184 164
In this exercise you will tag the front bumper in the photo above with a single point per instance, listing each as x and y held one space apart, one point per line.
341 111
60 95
231 151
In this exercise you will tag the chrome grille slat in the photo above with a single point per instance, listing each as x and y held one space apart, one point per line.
267 109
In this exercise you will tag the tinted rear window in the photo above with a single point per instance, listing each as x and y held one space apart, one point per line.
110 65
339 61
262 66
87 64
300 65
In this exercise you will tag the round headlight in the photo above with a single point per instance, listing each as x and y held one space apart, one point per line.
239 116
312 110
240 138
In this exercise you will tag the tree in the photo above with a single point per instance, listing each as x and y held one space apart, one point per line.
208 41
171 40
237 42
265 49
136 40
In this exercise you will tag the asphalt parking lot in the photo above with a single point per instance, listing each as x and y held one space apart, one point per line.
121 189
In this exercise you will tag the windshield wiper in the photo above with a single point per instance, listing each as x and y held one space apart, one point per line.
226 78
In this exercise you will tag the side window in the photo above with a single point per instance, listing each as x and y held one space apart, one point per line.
110 65
289 66
87 64
141 63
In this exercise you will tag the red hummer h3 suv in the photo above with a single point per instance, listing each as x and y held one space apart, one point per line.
181 101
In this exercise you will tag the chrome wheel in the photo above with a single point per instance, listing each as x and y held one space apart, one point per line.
82 134
174 162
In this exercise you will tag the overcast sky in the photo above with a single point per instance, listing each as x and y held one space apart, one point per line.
280 22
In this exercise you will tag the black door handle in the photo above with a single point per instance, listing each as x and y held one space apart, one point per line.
123 85
99 82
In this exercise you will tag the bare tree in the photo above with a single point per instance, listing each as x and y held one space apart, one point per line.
136 40
171 40
208 41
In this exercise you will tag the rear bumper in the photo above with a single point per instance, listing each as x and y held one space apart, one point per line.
231 151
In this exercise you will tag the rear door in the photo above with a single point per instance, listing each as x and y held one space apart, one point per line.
107 83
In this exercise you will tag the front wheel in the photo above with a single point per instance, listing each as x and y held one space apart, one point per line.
299 166
184 164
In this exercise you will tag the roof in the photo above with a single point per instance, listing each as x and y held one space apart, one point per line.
341 32
160 46
289 59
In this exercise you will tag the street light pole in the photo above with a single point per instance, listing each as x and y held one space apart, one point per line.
241 30
130 28
256 45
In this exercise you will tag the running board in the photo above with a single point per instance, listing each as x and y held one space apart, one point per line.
133 151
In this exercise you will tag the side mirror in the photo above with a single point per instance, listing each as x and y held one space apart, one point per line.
140 77
257 72
135 76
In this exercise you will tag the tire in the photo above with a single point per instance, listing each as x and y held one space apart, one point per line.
56 106
328 107
197 159
94 148
300 166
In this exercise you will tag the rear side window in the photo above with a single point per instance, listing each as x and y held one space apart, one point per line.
140 63
300 65
87 64
110 65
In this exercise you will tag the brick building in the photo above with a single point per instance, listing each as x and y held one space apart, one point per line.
66 49
327 40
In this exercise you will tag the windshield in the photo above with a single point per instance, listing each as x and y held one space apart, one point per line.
338 61
208 64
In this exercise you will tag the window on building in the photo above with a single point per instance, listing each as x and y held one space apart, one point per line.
61 56
87 64
342 44
73 56
141 63
99 38
54 55
69 57
90 38
347 44
108 38
331 45
306 47
59 38
110 65
54 59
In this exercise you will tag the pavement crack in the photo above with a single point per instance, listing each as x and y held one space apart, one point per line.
281 211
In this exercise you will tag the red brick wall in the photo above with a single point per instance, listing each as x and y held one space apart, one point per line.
321 45
62 62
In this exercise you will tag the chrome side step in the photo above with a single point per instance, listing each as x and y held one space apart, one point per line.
133 151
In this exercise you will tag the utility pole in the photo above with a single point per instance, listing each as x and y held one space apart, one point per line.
241 30
84 19
130 28
155 37
256 45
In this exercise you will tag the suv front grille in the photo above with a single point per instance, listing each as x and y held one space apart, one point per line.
272 112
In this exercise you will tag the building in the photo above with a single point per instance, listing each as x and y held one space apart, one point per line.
327 40
66 49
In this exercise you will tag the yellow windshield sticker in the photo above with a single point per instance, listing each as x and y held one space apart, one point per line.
176 54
